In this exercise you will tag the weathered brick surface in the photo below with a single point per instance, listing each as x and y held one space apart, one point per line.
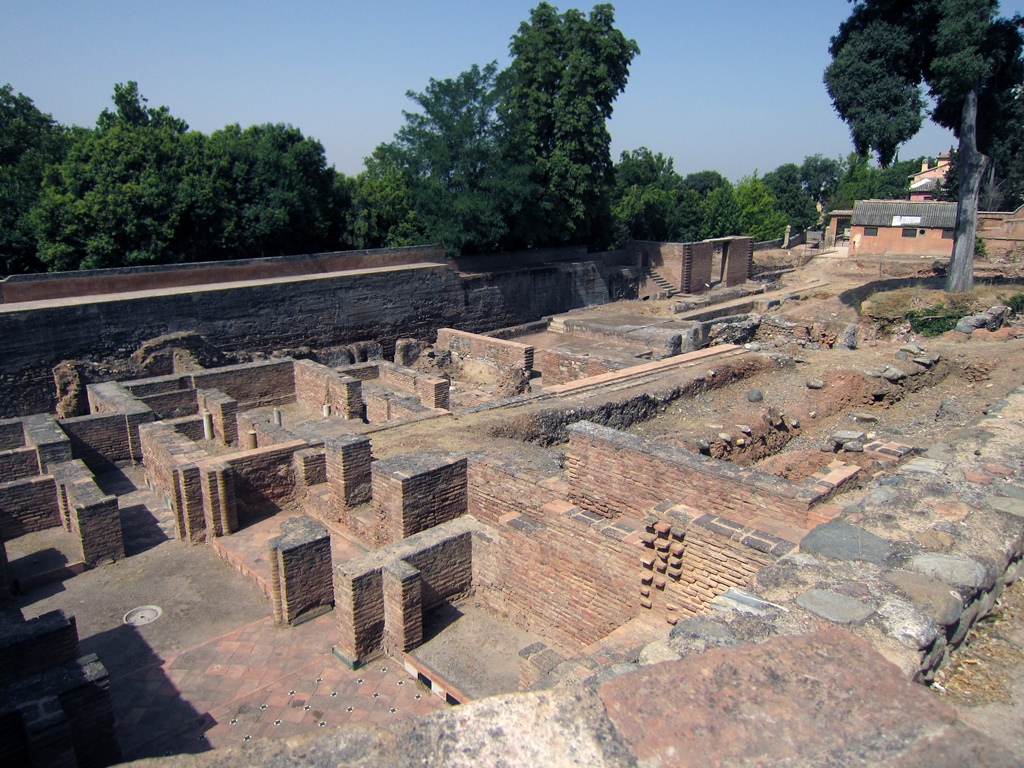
266 382
43 433
310 467
19 463
317 385
171 405
499 487
697 261
190 427
614 473
224 410
82 689
169 460
382 404
264 478
349 477
158 385
738 261
5 577
440 559
220 509
559 366
414 492
94 517
99 440
28 505
12 434
508 354
30 647
300 570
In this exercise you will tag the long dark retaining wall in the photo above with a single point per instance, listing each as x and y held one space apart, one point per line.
318 310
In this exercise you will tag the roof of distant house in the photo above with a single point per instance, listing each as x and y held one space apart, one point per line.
903 213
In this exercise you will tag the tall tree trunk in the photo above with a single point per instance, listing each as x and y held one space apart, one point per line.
972 168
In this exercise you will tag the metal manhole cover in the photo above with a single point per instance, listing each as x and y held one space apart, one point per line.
144 614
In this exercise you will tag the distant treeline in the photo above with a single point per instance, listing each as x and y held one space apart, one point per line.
491 160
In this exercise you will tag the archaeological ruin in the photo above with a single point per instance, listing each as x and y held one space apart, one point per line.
648 506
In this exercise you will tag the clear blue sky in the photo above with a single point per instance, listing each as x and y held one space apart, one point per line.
732 85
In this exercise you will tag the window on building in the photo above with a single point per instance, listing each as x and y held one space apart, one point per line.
947 234
911 232
870 231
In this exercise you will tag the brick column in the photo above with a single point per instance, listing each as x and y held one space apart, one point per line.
188 494
348 469
300 571
220 511
403 607
359 603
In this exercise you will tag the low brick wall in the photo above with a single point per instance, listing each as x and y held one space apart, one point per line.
301 584
51 443
381 596
172 405
432 391
170 463
264 479
158 385
384 405
484 358
414 492
12 434
268 382
99 440
95 519
614 473
224 411
190 427
28 505
30 647
19 463
558 367
498 487
349 479
317 385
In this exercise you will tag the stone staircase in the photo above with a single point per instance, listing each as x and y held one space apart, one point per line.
660 281
556 324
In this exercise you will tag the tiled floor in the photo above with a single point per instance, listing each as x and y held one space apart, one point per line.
258 681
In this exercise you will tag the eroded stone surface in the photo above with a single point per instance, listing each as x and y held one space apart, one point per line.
842 541
834 607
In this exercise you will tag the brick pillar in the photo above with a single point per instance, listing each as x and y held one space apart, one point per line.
359 603
188 493
99 528
220 511
353 398
403 607
5 579
300 571
348 469
48 733
414 492
310 466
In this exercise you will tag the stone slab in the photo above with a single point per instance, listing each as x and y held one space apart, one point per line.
842 541
834 607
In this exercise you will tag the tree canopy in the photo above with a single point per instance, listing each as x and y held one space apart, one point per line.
888 52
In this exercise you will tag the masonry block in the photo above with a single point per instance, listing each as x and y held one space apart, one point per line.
301 583
414 492
348 459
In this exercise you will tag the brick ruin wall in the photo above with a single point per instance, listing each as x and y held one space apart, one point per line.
483 357
270 382
321 311
613 473
12 434
412 493
27 506
559 367
317 386
301 581
380 597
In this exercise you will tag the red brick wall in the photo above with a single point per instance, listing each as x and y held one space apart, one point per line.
316 386
30 647
224 411
19 463
558 366
12 434
613 473
270 382
95 519
415 492
300 569
485 348
264 478
28 505
558 578
99 439
738 258
697 269
158 384
498 487
171 405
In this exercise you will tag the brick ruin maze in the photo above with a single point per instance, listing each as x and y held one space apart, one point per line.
355 491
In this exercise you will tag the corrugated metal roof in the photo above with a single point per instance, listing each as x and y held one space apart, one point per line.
898 213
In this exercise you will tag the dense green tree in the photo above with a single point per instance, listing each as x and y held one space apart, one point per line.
759 216
721 213
820 176
114 200
452 151
970 61
30 141
791 196
566 72
862 181
650 202
383 211
703 182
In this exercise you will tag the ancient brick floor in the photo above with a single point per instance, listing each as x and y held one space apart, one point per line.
259 681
